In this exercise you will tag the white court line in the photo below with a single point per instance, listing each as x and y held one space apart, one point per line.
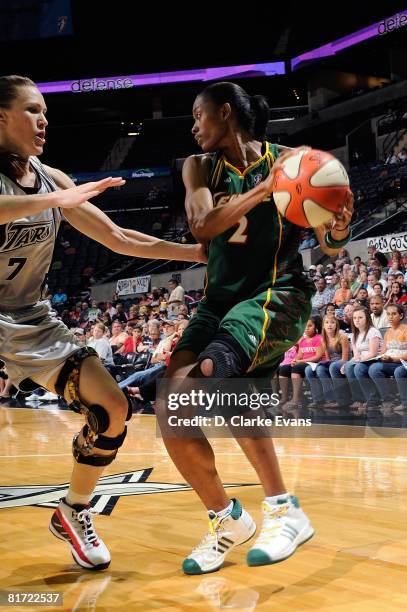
284 455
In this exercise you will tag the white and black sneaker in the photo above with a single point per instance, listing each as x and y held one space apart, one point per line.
74 525
224 534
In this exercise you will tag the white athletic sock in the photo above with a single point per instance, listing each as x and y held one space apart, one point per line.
273 500
225 511
73 498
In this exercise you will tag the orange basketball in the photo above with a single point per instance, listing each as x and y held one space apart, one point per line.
310 187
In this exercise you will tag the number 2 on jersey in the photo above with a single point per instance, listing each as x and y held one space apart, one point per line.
239 237
16 261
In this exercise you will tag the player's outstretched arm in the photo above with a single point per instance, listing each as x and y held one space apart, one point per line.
14 207
91 221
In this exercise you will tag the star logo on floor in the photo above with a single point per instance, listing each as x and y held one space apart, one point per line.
106 495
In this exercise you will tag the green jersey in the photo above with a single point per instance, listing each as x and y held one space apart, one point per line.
262 250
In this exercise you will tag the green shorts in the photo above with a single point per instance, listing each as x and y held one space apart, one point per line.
265 326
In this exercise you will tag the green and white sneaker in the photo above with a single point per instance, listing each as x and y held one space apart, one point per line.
224 534
285 527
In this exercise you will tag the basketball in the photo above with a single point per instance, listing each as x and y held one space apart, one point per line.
310 187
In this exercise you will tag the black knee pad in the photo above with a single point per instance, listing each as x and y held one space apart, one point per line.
228 358
82 452
97 417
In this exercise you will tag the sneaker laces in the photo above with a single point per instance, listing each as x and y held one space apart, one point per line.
84 518
211 538
272 522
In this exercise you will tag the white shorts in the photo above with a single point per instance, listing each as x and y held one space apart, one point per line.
34 344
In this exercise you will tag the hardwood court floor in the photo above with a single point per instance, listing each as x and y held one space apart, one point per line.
354 489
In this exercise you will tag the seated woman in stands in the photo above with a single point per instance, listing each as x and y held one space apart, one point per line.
367 344
310 349
336 351
390 363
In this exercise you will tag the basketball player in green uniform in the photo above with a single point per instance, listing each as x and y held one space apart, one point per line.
256 305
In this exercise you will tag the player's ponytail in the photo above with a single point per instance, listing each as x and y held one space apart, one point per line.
261 113
11 164
251 112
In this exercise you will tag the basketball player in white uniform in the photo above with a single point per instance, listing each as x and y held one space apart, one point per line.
37 348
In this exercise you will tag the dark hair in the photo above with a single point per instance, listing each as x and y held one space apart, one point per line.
252 112
400 308
12 165
317 321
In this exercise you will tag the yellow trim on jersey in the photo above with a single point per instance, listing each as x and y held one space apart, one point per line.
263 331
249 168
217 172
268 298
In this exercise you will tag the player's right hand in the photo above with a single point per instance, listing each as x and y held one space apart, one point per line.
75 196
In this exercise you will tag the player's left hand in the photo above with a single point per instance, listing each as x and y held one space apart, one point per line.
341 221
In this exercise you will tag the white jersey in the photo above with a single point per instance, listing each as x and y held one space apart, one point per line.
26 247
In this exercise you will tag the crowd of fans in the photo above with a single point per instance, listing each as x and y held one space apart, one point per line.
353 354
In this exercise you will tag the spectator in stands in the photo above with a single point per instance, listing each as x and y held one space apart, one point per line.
335 281
105 319
343 294
354 284
156 297
394 350
378 313
176 298
84 315
322 296
343 257
366 344
110 309
80 337
134 339
403 263
362 297
75 314
330 309
101 344
402 155
356 265
335 349
310 349
396 295
371 280
94 312
183 310
345 322
133 313
308 240
378 288
362 278
284 372
180 327
163 348
59 299
118 337
120 314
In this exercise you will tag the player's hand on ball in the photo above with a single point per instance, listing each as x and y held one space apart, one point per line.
342 221
269 182
75 196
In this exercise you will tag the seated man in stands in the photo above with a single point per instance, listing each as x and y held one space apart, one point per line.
118 337
59 299
378 314
101 344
